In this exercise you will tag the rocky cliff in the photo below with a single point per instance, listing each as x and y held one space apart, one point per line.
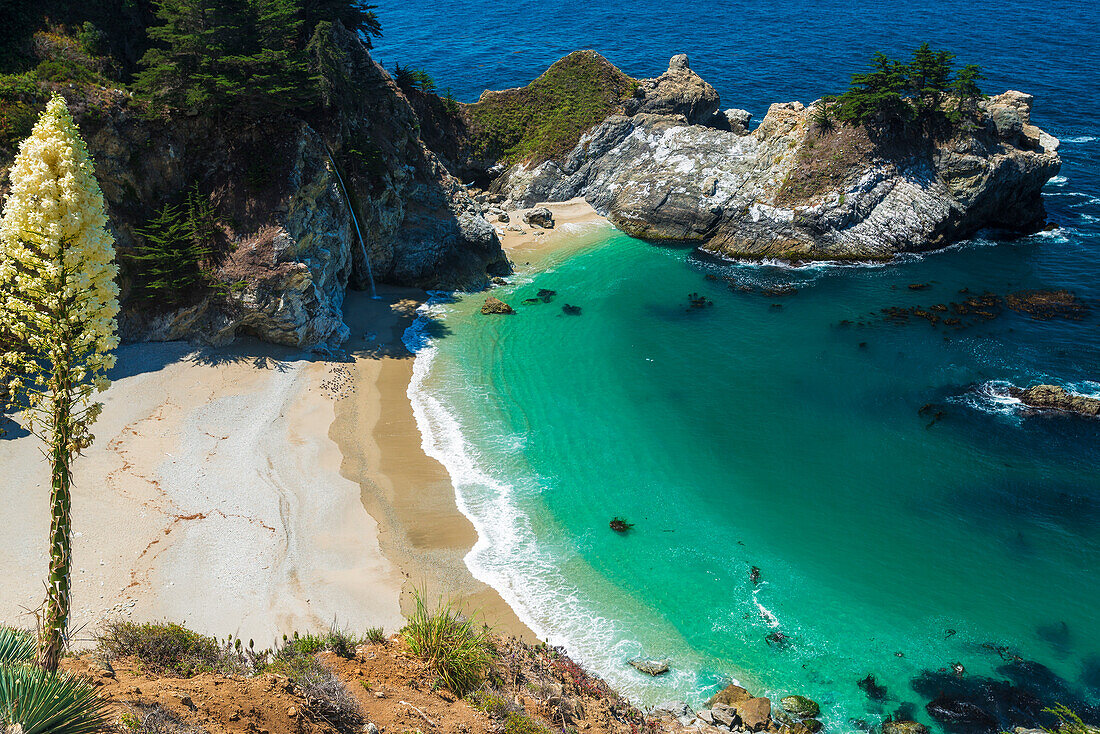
670 166
290 246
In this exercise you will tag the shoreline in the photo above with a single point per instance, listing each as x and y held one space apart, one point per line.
409 494
256 489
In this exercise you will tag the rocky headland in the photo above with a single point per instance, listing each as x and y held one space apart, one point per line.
658 157
664 162
288 244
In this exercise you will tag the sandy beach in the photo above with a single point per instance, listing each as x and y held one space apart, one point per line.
256 490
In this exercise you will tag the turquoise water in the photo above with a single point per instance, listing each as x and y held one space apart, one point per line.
745 434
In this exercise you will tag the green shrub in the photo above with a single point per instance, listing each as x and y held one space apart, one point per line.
49 703
492 703
376 635
16 646
327 696
456 647
517 723
168 648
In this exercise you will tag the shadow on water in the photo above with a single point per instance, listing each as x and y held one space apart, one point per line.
966 704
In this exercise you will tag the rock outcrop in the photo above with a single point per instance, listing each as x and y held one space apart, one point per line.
495 306
291 246
670 168
1054 397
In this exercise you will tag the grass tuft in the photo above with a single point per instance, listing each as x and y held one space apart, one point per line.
376 636
457 648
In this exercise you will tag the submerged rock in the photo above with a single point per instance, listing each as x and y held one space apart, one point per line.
651 667
1053 397
903 727
496 306
800 706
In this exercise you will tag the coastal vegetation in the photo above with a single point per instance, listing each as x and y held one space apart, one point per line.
546 118
457 647
58 302
40 701
926 90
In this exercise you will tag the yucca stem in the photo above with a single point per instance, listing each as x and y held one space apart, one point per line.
57 584
56 619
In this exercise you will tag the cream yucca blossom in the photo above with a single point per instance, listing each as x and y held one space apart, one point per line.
58 303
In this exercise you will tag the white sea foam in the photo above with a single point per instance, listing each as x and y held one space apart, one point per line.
1058 181
1078 139
992 397
507 555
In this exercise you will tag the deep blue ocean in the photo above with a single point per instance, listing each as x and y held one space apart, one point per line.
905 516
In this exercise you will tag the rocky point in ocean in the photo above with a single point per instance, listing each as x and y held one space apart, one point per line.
1057 398
663 163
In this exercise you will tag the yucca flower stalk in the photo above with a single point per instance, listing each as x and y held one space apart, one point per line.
58 303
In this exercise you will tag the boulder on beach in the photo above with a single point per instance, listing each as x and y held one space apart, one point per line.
1053 397
651 667
494 306
800 706
540 216
755 713
730 695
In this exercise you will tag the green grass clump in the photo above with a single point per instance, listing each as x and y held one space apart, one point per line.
546 118
168 648
518 723
492 703
49 703
335 640
457 648
376 636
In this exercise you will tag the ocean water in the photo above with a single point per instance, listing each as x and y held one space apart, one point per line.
904 515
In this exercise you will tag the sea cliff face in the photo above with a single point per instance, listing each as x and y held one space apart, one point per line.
671 167
291 246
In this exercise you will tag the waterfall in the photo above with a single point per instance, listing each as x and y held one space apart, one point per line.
355 221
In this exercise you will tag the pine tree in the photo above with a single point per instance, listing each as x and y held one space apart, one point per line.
965 89
175 250
58 301
875 96
929 78
358 17
246 55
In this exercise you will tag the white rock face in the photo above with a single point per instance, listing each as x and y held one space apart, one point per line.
775 193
